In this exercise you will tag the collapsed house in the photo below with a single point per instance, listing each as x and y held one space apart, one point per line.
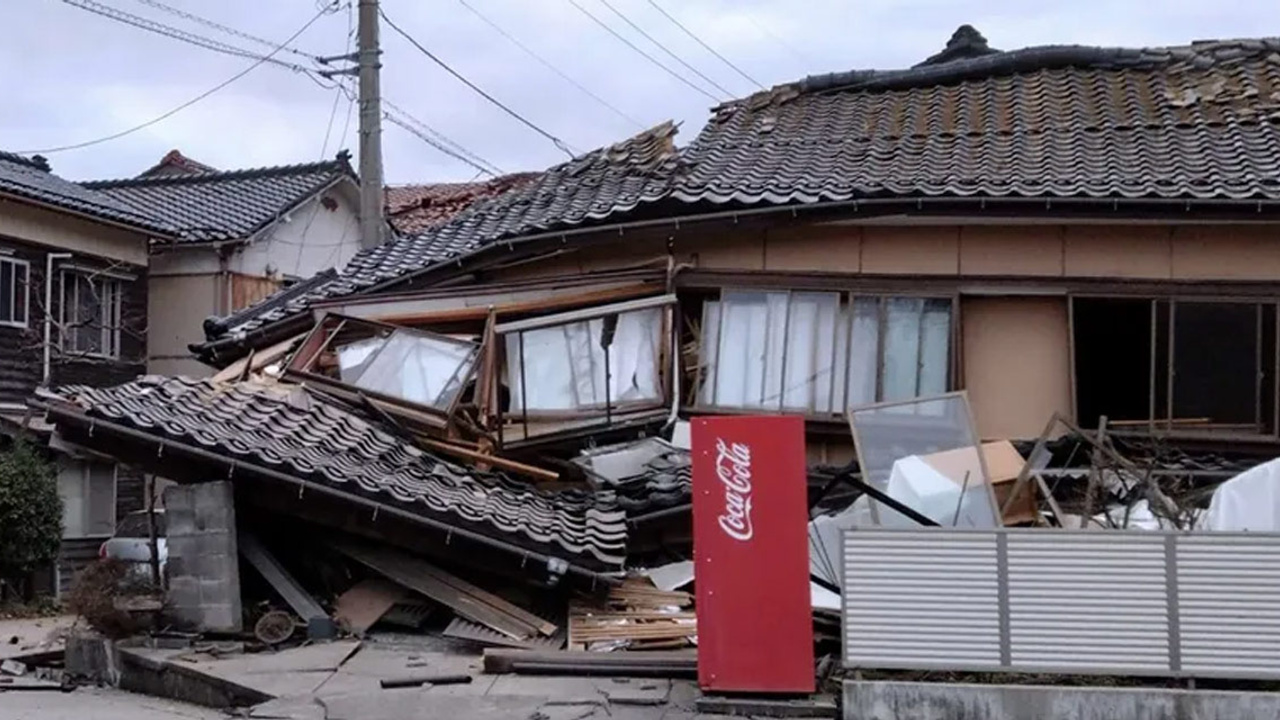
1084 234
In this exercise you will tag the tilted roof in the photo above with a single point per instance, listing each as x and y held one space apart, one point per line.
588 188
228 205
1199 122
30 178
291 430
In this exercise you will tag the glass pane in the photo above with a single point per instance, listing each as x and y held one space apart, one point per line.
709 351
935 346
7 310
419 368
810 351
565 366
353 358
924 453
101 518
864 334
749 351
72 491
20 275
902 348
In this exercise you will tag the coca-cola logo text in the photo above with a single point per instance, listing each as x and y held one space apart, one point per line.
733 467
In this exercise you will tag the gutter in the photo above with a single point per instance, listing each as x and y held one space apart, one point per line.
60 415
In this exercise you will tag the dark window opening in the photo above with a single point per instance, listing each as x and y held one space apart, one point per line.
1181 365
1112 359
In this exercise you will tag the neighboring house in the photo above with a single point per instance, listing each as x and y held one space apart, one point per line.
1090 231
73 311
240 236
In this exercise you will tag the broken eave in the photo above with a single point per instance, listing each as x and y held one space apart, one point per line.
183 461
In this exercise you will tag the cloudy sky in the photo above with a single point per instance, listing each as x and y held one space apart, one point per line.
73 76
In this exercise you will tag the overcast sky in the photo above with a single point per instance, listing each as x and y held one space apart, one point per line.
71 76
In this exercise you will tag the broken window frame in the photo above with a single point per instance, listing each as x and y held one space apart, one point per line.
596 416
331 325
1161 421
842 351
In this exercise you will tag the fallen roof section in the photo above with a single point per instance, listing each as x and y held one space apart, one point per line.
413 209
289 433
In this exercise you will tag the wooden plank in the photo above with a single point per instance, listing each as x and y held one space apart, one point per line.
462 597
256 361
536 473
366 602
502 660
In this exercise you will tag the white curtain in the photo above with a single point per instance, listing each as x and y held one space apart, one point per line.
564 365
419 368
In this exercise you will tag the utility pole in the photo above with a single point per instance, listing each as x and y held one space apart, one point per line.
372 222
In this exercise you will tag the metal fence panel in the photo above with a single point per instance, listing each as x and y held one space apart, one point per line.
1070 601
913 604
1229 604
1088 600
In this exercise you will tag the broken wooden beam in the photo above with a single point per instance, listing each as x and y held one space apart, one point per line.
462 597
319 624
364 603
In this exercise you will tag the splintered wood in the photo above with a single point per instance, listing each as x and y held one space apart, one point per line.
636 616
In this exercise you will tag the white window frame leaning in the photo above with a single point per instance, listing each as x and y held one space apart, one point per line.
110 326
13 296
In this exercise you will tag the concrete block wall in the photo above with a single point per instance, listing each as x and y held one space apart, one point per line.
203 565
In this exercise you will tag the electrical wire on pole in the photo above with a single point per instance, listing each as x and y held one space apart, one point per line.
164 7
560 144
256 64
547 63
178 34
664 48
705 46
641 52
435 138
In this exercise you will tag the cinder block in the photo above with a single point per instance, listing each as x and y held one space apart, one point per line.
224 617
179 523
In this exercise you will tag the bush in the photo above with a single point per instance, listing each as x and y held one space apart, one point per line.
30 513
93 597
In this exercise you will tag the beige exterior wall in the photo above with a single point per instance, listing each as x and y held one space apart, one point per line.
177 307
70 233
1017 363
1149 252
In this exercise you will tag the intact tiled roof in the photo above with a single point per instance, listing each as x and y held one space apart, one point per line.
588 188
229 205
1200 121
412 209
30 178
290 430
175 163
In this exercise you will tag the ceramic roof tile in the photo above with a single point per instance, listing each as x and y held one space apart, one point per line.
229 205
1195 122
303 434
31 179
413 209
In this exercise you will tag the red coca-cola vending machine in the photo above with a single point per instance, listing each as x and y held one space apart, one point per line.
751 555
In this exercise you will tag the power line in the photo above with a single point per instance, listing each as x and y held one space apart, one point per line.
705 46
451 147
786 45
546 63
396 120
178 34
665 49
185 105
646 55
554 140
228 30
